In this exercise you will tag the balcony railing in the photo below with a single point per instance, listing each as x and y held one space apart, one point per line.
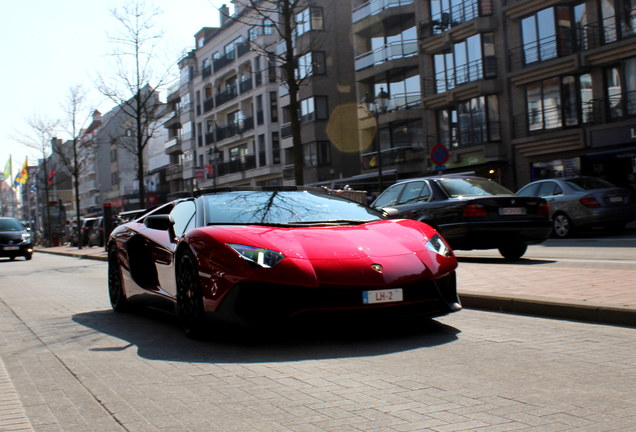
245 85
232 129
286 130
206 71
394 156
224 60
476 70
240 165
388 52
209 138
173 146
374 7
174 170
226 96
582 38
208 104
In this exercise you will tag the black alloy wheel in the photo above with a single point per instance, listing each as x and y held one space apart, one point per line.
118 300
561 225
513 252
189 296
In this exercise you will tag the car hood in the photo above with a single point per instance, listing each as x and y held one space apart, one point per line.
343 253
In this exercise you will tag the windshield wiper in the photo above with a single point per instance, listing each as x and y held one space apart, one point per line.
331 222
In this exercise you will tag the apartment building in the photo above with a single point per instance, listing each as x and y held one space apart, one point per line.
516 90
232 118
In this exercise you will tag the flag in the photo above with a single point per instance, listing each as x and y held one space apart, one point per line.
51 175
8 170
24 174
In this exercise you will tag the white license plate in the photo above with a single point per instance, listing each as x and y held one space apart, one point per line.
616 199
11 248
382 296
510 211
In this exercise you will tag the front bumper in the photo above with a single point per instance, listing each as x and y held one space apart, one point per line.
255 302
13 250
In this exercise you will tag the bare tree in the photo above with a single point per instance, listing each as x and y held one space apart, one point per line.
136 77
288 19
39 138
72 153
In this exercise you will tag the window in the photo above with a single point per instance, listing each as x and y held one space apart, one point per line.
465 63
183 215
312 63
275 148
262 159
417 191
268 26
619 19
559 102
309 19
317 153
313 108
273 106
446 14
471 122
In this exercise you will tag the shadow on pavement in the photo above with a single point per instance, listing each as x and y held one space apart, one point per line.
499 260
158 336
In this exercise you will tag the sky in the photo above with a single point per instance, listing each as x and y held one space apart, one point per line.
47 47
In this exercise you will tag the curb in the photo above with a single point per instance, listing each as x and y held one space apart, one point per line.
551 308
74 255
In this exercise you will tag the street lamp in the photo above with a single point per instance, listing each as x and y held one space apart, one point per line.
377 105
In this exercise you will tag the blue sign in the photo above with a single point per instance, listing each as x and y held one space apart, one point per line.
440 167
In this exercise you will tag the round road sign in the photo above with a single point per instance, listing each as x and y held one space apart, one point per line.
439 154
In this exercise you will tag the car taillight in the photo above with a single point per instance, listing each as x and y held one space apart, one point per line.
590 202
543 210
474 210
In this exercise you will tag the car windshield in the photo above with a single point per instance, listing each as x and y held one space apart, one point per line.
460 187
11 225
588 183
284 207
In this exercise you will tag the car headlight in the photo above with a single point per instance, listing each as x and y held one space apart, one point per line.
262 257
438 245
26 237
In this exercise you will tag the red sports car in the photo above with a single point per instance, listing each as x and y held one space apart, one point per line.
259 255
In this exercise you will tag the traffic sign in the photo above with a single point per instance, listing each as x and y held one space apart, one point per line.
439 154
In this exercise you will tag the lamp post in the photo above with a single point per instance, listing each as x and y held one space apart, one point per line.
377 105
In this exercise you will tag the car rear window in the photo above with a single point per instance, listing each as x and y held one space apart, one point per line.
589 183
458 187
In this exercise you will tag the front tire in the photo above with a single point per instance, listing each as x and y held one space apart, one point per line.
189 297
28 256
118 300
561 225
513 252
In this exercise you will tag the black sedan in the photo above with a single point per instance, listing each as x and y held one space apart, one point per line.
470 212
15 239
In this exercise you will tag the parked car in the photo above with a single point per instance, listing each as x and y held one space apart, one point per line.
470 212
96 233
263 255
582 202
87 225
15 239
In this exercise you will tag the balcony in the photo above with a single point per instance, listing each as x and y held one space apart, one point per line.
224 60
235 166
206 71
471 72
245 85
174 170
226 96
286 130
392 51
208 104
375 7
209 138
458 14
233 129
173 146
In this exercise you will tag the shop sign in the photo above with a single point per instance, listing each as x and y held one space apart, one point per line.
613 136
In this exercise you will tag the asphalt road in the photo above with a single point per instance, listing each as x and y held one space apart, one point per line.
71 364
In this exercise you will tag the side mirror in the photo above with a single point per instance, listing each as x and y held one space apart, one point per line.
162 222
390 211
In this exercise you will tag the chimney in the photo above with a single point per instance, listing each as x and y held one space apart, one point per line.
224 13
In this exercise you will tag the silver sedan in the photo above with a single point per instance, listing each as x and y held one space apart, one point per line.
582 202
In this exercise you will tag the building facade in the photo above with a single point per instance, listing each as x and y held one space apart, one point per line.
515 90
